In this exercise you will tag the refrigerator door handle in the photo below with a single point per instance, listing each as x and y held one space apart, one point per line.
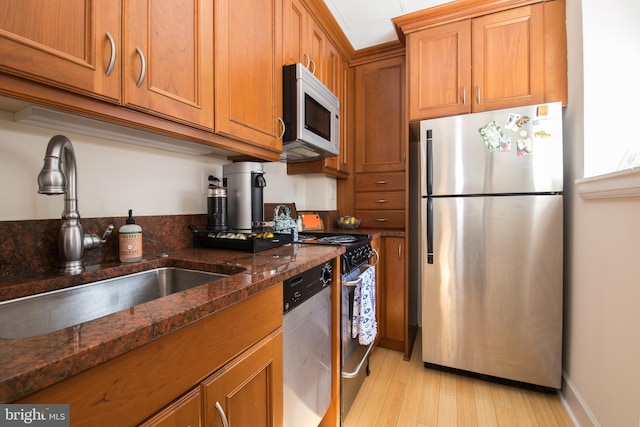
429 230
429 162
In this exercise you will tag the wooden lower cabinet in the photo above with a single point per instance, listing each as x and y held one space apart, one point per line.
248 391
392 295
245 392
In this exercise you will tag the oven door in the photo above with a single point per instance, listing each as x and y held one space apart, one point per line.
354 356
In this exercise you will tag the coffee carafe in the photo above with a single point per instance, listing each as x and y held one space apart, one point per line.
216 206
245 183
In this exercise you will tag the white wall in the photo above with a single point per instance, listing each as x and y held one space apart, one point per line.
602 286
114 177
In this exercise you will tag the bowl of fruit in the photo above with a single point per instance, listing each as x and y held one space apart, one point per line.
348 222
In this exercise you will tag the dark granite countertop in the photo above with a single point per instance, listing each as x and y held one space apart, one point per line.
30 364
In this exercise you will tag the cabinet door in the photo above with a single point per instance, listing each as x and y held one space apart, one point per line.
508 58
248 72
295 29
393 307
168 59
248 391
63 43
181 413
439 61
380 116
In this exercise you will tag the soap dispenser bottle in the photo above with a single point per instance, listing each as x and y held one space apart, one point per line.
130 240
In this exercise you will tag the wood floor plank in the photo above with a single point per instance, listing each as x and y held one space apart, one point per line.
377 394
522 408
505 417
542 410
447 410
428 411
484 404
560 414
467 414
390 409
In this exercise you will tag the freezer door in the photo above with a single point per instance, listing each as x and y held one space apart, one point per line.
492 299
528 159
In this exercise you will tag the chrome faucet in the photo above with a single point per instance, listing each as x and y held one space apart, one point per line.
53 180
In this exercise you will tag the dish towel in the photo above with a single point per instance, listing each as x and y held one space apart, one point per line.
363 322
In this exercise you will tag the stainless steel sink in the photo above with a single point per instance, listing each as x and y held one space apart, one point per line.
47 312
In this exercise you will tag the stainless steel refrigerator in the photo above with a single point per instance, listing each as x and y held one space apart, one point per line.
486 226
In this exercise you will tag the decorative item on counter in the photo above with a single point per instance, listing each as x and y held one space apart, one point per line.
311 221
348 222
283 223
130 240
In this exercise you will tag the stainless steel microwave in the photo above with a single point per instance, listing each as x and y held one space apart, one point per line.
311 115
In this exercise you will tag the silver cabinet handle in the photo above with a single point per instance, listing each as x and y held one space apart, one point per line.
377 254
284 127
112 59
223 416
381 201
143 70
382 219
381 181
314 67
308 59
399 251
478 94
464 95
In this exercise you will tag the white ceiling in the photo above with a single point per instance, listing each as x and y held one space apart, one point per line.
368 22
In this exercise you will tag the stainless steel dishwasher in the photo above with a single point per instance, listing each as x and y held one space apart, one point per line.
307 346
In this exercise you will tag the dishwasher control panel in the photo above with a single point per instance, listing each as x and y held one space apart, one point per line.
301 287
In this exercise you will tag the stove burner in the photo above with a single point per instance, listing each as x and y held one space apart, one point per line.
338 240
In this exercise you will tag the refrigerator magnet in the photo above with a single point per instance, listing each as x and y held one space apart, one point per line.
491 134
505 144
525 147
512 121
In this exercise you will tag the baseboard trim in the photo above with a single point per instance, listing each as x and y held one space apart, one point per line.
576 406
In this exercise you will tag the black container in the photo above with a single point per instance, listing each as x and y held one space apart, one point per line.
217 209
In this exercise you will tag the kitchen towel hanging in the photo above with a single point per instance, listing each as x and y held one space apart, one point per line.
363 322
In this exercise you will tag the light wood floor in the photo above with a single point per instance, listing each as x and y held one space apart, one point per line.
400 393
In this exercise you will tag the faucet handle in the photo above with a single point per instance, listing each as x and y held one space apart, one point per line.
107 233
92 241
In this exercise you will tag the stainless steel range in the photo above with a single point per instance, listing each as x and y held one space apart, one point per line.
354 268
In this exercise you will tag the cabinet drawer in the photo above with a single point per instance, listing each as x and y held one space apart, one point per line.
380 200
380 181
381 218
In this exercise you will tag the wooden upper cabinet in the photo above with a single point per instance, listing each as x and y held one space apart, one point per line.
64 43
508 58
168 59
248 71
492 60
440 71
380 121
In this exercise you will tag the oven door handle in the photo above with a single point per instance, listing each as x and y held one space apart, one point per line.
355 373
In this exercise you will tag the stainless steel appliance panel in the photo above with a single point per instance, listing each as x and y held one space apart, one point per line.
463 164
492 299
307 361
